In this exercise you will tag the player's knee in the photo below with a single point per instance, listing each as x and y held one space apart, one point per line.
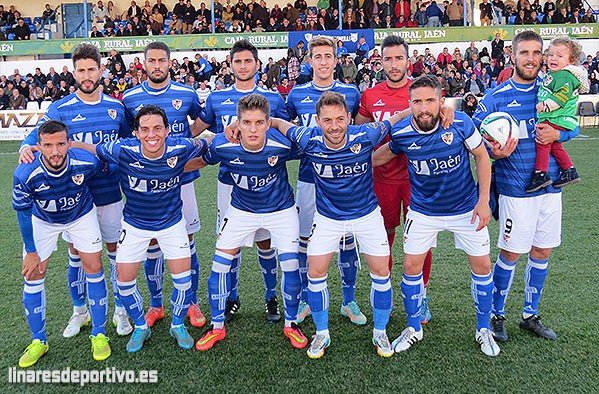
540 253
510 256
264 244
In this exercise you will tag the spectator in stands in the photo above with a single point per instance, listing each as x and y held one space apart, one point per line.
48 15
575 18
362 51
3 21
549 18
21 31
36 94
13 16
455 13
561 17
154 27
133 10
521 18
203 92
505 74
534 20
293 66
497 46
113 12
365 84
562 5
39 79
349 69
291 13
67 76
469 51
53 76
17 100
3 100
456 84
300 51
444 58
189 16
378 73
138 28
301 5
499 8
176 25
434 14
63 90
123 31
332 20
486 13
376 22
161 8
284 87
22 87
95 33
589 17
469 104
420 17
99 12
401 23
493 70
349 19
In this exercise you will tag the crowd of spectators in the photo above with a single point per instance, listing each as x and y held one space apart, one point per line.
466 74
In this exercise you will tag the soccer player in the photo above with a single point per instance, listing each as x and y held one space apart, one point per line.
261 199
439 160
391 183
179 102
51 196
90 117
340 155
151 173
221 111
530 223
301 103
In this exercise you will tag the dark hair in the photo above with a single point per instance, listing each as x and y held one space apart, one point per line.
252 102
86 51
331 98
51 127
149 110
426 81
244 45
526 35
393 41
159 46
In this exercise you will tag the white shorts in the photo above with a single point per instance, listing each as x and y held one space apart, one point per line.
369 231
133 243
239 228
85 233
306 205
420 233
190 208
223 198
109 219
529 221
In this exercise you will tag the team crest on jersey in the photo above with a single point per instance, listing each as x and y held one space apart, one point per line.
356 148
177 104
78 179
506 237
548 80
272 161
112 113
447 137
172 161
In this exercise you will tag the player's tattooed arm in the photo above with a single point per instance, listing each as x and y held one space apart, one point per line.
382 155
483 174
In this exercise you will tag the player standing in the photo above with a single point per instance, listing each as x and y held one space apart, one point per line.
221 111
261 199
91 117
301 103
51 195
530 223
439 160
340 154
179 102
150 168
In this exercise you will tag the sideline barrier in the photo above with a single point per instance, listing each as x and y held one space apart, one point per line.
281 40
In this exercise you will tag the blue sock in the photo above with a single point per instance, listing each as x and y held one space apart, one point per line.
534 280
234 277
503 276
154 270
76 278
412 289
113 279
303 268
98 301
132 301
348 268
381 296
181 296
318 299
268 263
34 301
482 293
195 271
290 284
219 284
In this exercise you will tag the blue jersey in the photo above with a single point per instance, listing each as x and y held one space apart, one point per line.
152 186
512 174
260 178
343 177
221 111
301 103
441 181
177 100
56 197
91 123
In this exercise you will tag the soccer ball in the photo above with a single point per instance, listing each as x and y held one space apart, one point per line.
498 127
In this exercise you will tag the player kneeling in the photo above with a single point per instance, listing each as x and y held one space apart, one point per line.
51 196
150 168
261 199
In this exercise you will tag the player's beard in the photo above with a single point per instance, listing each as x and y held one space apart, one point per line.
55 167
395 78
158 80
525 74
248 78
95 86
426 125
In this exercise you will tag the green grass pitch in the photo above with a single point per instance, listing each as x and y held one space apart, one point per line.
256 357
